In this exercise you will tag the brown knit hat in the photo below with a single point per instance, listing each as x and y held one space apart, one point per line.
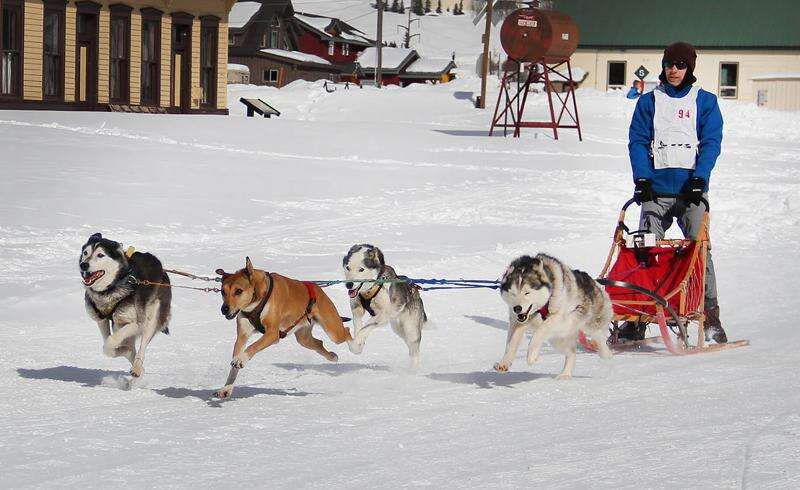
681 51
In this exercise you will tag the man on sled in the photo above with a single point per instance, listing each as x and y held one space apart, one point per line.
675 138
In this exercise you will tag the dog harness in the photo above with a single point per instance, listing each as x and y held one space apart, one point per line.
255 315
366 303
108 314
312 300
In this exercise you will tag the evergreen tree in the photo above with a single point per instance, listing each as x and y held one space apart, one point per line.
395 6
427 6
402 7
416 7
439 7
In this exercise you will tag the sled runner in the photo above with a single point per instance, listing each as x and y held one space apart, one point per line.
660 282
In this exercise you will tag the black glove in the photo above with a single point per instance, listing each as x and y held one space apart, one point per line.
694 190
643 191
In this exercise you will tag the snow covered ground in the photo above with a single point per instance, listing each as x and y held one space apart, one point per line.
412 171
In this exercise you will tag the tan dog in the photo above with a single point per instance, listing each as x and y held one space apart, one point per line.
275 305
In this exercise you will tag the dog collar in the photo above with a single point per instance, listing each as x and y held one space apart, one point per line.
544 312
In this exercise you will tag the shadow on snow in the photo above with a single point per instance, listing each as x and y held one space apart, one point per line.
71 374
239 392
491 322
331 369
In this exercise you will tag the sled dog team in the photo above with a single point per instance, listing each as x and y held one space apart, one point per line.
542 294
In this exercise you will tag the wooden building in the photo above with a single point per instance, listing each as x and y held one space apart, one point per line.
280 45
404 66
127 55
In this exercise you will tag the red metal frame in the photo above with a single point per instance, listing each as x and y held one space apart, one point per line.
514 105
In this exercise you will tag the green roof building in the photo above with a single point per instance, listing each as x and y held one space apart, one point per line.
747 50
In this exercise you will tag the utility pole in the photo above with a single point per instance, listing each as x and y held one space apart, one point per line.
409 36
485 68
378 69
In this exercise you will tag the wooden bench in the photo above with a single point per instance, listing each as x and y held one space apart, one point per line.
259 106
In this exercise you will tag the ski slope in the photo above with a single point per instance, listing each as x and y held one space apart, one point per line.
412 171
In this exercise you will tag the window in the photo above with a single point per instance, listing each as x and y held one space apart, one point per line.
53 52
616 74
346 49
11 49
263 43
273 39
119 67
728 80
331 48
271 76
209 32
151 57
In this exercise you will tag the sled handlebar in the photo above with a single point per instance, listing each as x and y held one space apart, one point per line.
632 200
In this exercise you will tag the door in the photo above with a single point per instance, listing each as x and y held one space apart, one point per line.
86 59
182 66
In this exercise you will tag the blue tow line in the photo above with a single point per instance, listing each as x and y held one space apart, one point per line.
437 284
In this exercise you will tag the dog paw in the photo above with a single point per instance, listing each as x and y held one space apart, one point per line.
562 377
501 367
239 361
332 357
355 347
223 393
532 358
137 370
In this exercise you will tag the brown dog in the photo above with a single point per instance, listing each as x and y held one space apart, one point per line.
274 305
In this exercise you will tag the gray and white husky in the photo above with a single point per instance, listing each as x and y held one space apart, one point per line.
117 301
556 302
397 304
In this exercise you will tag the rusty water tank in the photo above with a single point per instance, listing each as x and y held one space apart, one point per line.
532 34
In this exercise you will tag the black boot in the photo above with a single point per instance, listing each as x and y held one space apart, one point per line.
713 326
632 331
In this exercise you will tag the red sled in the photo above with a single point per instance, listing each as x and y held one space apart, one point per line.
661 282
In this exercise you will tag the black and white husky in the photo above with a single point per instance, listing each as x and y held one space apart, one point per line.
123 308
397 304
556 302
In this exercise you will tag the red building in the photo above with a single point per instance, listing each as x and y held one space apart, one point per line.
331 39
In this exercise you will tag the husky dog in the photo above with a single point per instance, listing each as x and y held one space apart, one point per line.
556 302
398 304
117 301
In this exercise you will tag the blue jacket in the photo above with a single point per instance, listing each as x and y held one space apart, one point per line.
670 181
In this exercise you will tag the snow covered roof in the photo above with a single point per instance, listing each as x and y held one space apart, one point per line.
779 75
430 65
320 23
242 12
235 67
297 56
391 58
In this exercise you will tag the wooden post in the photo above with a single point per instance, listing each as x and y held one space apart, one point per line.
485 68
378 68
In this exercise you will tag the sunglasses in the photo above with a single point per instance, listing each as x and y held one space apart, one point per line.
677 64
